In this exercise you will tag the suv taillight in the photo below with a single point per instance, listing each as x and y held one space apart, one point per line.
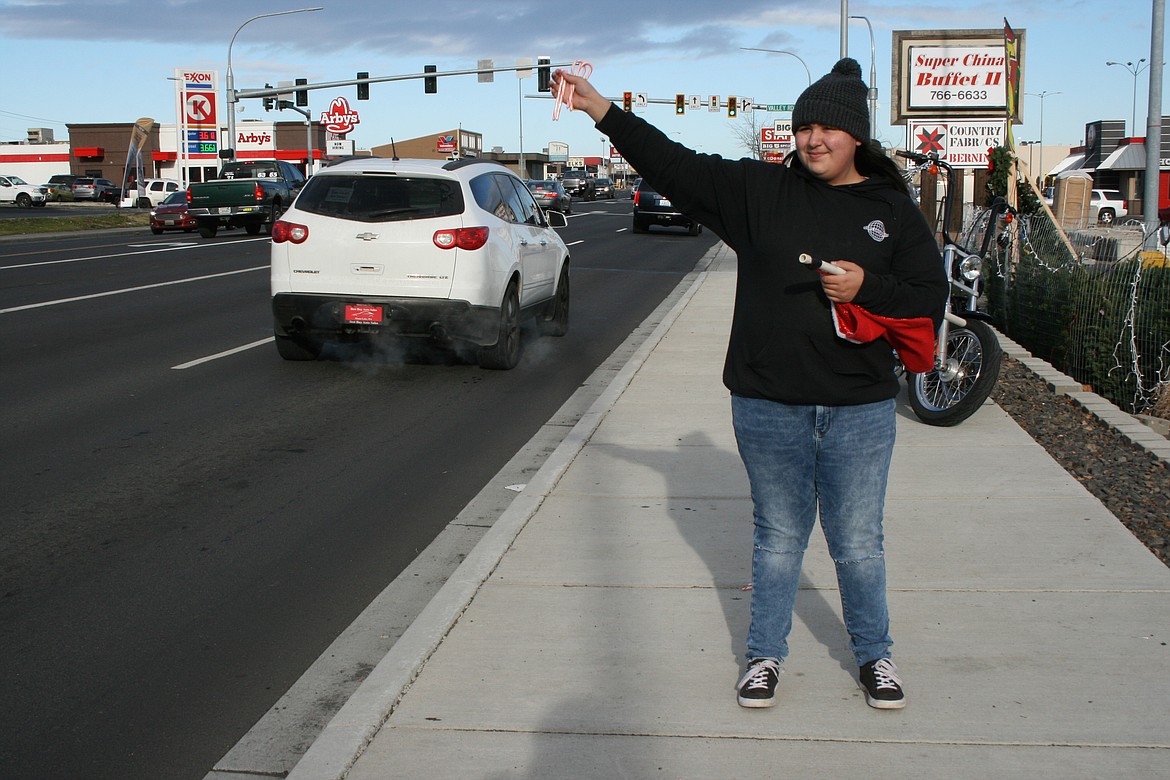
637 196
462 238
289 231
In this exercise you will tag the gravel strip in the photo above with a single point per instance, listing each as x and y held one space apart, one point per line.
1132 484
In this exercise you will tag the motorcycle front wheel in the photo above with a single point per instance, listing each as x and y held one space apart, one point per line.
949 395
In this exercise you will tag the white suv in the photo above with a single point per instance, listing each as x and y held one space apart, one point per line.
453 252
1105 206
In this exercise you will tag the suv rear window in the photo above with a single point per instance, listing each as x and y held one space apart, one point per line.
374 198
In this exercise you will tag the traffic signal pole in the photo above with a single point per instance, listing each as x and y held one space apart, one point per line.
261 93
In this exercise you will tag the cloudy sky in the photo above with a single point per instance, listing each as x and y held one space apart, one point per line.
111 60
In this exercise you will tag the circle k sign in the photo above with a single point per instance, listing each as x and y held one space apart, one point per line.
199 108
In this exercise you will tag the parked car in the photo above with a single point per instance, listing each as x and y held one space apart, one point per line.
603 188
1105 206
66 179
650 208
86 188
632 185
151 193
551 195
16 190
454 253
58 191
172 214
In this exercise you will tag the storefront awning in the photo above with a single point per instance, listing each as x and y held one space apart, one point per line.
89 151
1130 157
1070 163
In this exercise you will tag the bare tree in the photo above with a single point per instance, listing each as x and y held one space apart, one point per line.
747 132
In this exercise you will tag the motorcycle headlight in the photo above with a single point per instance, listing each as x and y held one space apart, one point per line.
971 268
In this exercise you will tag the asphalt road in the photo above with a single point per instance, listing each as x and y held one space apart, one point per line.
189 520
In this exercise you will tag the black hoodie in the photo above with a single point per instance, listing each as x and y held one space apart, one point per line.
783 346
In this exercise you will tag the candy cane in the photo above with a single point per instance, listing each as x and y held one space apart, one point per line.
565 90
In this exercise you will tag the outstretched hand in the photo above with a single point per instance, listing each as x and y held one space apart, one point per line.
585 97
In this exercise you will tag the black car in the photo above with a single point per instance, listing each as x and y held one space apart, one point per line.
650 208
551 195
603 188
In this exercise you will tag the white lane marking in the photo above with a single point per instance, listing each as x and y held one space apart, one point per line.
166 248
621 230
130 290
574 243
225 353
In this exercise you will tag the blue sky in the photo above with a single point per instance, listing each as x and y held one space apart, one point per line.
109 60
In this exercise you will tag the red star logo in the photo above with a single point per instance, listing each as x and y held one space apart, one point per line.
931 141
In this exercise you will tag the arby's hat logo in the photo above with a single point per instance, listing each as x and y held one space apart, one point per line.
340 118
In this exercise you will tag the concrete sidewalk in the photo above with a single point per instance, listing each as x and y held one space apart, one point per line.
596 630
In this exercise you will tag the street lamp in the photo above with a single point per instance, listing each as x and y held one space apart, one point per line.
1042 95
231 81
807 73
873 92
1135 70
1031 145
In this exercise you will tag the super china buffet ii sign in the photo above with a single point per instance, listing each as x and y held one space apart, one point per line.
951 74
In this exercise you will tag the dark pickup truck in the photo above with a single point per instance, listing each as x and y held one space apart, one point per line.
579 185
251 194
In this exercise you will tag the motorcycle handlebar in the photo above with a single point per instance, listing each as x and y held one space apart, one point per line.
918 158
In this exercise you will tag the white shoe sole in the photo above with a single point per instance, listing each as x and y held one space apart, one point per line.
882 704
756 703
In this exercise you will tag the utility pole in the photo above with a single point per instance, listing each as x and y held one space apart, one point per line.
282 105
1154 121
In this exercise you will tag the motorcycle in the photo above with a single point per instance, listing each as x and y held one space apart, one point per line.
967 351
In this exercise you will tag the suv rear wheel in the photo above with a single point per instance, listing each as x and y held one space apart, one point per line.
505 353
557 323
1106 216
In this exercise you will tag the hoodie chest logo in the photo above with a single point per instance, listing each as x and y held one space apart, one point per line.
877 230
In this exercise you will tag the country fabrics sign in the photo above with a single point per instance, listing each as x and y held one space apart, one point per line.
964 143
340 118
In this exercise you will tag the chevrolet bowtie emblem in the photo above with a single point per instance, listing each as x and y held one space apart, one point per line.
367 236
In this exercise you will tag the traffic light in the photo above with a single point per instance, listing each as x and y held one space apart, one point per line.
732 109
269 102
627 101
363 89
430 83
302 94
543 74
680 104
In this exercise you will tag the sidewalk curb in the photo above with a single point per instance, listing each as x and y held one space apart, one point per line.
351 730
1103 409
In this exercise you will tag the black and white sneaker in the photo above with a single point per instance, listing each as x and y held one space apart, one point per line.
757 687
883 688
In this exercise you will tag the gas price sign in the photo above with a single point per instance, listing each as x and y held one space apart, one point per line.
202 141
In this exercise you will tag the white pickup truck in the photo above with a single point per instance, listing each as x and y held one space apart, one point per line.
14 189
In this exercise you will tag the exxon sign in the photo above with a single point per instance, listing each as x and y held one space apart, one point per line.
340 118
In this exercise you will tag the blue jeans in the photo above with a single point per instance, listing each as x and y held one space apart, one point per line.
801 459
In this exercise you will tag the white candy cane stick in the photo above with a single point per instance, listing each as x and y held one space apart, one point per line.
820 265
565 90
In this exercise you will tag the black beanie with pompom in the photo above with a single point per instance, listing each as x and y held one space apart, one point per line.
837 100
